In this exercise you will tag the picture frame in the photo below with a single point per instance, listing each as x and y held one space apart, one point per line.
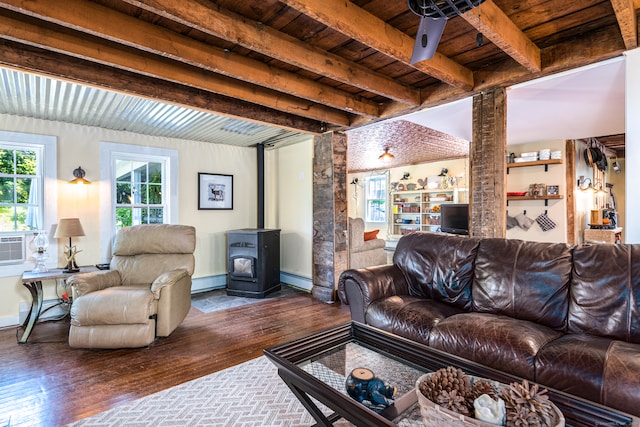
215 191
553 190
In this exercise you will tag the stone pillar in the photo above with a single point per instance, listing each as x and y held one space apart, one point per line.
329 213
487 162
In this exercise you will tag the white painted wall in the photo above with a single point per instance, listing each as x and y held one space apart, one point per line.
289 207
79 145
632 157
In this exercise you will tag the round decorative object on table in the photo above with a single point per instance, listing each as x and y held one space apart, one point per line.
363 386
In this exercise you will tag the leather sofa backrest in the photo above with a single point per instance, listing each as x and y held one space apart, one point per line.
523 280
142 252
438 266
605 291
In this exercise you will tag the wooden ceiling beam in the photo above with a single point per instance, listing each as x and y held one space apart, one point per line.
493 23
135 61
55 65
347 18
89 17
274 44
628 22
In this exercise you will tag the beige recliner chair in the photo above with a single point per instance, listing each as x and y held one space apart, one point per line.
364 253
146 293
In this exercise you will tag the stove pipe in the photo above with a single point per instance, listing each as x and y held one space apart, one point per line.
260 157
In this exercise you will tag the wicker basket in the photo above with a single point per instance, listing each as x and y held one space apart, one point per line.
434 415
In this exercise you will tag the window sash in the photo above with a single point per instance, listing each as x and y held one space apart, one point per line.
376 199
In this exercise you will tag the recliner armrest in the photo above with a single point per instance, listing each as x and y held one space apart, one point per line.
85 283
167 279
359 288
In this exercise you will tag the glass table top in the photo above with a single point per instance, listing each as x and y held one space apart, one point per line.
333 367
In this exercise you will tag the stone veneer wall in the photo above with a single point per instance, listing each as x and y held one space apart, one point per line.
330 254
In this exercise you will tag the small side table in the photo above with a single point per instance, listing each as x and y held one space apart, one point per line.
33 282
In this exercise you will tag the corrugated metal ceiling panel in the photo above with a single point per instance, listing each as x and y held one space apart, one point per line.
45 98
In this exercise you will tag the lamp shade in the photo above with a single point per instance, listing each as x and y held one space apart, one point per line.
69 227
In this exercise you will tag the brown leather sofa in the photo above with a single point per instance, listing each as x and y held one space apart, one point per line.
566 317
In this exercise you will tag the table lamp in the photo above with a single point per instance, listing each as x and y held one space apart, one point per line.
70 227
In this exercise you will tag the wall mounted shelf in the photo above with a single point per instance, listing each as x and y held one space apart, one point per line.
544 163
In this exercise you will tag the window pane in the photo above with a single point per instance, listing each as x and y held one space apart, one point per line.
123 217
141 174
144 198
6 190
7 216
21 219
123 193
26 190
376 211
25 162
156 216
6 161
375 203
155 173
135 193
155 194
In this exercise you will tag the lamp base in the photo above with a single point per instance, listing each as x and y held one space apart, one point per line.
72 270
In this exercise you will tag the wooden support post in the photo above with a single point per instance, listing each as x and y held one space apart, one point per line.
488 165
330 254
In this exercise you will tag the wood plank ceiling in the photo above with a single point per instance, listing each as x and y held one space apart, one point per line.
307 65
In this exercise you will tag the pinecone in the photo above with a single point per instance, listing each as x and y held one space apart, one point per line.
480 387
526 406
453 402
446 379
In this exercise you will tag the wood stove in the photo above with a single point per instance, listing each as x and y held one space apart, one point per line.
253 262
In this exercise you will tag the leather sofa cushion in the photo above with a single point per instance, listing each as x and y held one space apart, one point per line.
605 292
621 380
595 368
574 364
501 342
438 266
523 280
408 316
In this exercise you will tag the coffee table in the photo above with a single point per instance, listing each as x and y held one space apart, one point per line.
315 368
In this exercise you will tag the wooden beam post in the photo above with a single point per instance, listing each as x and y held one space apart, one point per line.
488 165
330 254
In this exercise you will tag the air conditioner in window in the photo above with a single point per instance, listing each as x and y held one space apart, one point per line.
12 249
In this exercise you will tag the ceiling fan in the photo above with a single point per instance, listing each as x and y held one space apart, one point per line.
434 15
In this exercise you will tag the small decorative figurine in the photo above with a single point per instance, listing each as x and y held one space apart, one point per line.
363 386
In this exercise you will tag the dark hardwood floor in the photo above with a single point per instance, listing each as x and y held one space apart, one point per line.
47 383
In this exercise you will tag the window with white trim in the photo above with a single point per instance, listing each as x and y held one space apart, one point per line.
141 187
376 199
28 198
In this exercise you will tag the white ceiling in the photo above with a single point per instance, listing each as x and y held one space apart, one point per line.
581 103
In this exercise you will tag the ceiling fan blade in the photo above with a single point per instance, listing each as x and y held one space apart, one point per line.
427 39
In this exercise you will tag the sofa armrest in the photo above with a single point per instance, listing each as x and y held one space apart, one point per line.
167 279
173 292
359 288
82 284
370 245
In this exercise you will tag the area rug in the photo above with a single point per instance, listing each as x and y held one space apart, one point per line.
218 299
250 394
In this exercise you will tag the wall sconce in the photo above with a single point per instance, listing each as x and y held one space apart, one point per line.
354 181
79 174
583 185
386 156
